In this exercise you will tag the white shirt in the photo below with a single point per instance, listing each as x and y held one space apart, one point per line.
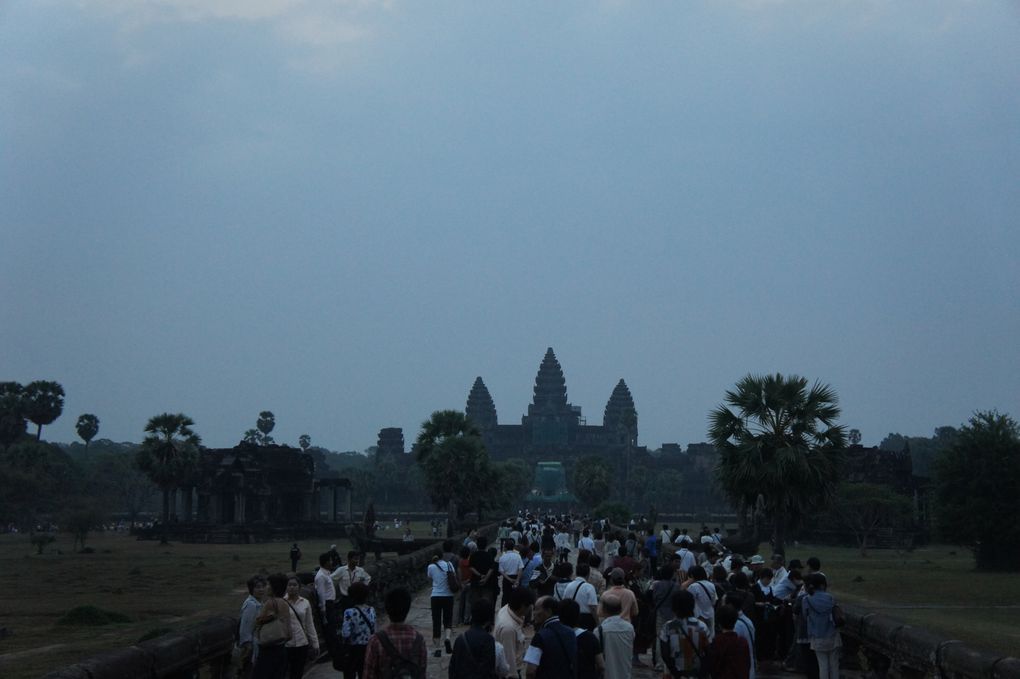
586 543
705 597
581 591
324 588
687 561
344 578
302 625
745 630
510 564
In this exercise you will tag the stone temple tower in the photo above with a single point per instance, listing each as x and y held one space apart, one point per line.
481 410
620 419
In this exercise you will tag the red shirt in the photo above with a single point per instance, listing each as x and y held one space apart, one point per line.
402 636
729 657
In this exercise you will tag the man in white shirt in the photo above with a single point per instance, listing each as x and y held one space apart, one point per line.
325 592
509 627
705 596
345 576
687 560
510 566
586 541
664 535
684 538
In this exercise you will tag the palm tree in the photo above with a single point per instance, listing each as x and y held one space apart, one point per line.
87 427
779 447
168 455
43 401
454 462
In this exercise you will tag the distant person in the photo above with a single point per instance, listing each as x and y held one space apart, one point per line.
303 640
295 556
398 647
246 627
441 603
824 638
408 535
325 593
358 627
705 597
661 593
272 631
345 576
510 567
335 558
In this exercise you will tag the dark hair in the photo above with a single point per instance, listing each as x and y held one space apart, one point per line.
583 556
326 559
766 573
739 580
548 604
481 612
278 583
254 580
795 564
465 552
726 617
358 591
482 542
594 560
563 570
353 554
814 564
698 573
397 604
719 573
520 597
683 604
582 570
665 573
794 574
447 545
570 611
816 581
735 599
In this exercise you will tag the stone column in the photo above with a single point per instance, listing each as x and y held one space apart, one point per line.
238 506
186 513
350 514
173 505
333 514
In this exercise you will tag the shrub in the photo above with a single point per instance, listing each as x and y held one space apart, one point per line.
617 512
91 616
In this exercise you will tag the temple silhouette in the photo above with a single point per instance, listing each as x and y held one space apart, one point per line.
553 428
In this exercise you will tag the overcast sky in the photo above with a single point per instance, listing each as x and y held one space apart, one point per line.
344 212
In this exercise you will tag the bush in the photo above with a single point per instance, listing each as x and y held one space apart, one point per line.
91 616
617 512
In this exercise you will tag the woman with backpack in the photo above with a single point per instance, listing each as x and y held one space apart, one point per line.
358 627
683 641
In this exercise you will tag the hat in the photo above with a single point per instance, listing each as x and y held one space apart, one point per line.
756 560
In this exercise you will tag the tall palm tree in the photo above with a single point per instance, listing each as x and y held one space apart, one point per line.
779 447
168 455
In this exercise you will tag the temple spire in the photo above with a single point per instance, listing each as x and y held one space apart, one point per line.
550 386
481 409
620 416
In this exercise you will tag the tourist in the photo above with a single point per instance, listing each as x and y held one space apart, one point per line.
399 645
590 661
345 576
531 559
687 559
610 552
616 637
661 592
766 615
563 543
543 581
586 542
628 601
334 558
476 653
464 573
803 659
665 537
325 594
744 627
683 641
246 627
729 656
483 575
824 638
510 566
553 650
580 590
705 597
295 556
509 627
303 639
272 631
779 568
358 626
408 535
595 576
684 540
651 550
441 603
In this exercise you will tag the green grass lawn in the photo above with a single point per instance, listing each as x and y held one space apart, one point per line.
156 587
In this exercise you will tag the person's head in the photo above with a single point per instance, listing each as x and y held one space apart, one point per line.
665 526
796 577
583 570
569 612
739 580
481 612
465 552
617 576
718 573
726 617
358 592
583 556
278 584
735 599
736 564
521 599
683 604
397 604
814 565
325 559
698 573
352 558
815 582
664 573
293 588
795 563
547 557
611 605
257 586
778 560
586 532
765 576
545 608
594 561
564 570
482 542
448 546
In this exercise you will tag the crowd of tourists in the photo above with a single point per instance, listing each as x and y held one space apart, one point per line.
563 596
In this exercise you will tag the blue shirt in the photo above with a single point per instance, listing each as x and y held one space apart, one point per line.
553 651
652 545
529 568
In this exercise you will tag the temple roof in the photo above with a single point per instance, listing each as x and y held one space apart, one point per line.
619 402
550 385
481 409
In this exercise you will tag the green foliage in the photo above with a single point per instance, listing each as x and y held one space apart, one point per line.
977 486
12 413
116 481
35 477
266 423
91 616
454 462
43 402
866 508
779 446
617 512
168 455
511 480
87 427
592 480
923 450
305 441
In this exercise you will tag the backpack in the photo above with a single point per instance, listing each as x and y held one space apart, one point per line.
397 666
699 660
